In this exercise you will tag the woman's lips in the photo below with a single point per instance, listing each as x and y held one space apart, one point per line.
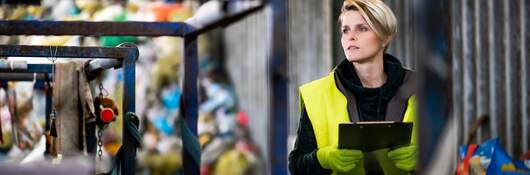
353 47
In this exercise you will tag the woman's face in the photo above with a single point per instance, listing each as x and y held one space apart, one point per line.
359 42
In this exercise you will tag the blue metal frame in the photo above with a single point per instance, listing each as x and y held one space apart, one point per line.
128 56
86 28
180 29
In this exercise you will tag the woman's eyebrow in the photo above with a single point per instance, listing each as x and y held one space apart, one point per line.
355 25
361 24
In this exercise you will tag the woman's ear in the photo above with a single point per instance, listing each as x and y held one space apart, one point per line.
386 40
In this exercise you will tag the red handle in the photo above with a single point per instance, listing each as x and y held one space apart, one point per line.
107 115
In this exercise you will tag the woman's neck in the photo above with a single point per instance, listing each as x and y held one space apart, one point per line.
371 72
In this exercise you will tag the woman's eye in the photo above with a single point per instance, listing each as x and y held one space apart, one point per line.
363 29
344 30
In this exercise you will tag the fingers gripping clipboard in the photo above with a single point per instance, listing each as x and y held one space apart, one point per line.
371 136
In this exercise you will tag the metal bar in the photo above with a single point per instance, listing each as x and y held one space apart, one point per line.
64 51
409 31
524 77
86 28
22 76
467 79
32 68
478 64
278 74
226 21
102 64
516 50
492 60
95 66
129 146
456 69
499 77
484 131
190 98
508 90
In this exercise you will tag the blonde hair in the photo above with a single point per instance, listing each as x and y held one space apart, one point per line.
376 13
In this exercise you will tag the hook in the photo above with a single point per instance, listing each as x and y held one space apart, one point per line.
53 56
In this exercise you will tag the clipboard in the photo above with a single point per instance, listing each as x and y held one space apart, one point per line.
371 136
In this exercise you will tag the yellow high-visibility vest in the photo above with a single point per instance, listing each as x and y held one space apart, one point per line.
327 106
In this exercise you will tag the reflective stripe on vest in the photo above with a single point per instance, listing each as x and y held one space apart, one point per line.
327 106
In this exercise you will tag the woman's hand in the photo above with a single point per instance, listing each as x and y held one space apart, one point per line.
404 157
340 160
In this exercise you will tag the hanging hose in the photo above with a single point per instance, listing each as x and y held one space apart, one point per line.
131 123
190 142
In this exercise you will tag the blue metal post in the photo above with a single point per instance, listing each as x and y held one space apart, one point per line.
129 143
432 45
190 100
278 68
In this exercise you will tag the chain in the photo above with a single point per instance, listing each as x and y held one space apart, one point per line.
100 129
101 88
100 143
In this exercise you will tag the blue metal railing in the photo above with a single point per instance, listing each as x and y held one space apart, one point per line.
189 104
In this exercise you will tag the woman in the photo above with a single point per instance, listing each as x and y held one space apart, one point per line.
368 86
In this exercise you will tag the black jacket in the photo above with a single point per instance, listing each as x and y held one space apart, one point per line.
371 105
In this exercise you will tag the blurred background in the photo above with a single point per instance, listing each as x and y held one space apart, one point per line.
471 56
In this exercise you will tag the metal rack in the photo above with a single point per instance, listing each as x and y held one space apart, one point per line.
127 56
189 105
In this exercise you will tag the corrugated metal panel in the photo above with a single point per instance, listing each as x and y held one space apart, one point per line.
402 45
490 70
246 54
489 56
246 44
310 54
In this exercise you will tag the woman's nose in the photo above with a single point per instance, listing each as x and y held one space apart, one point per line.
352 36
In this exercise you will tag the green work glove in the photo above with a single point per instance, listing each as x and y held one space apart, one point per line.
339 160
404 157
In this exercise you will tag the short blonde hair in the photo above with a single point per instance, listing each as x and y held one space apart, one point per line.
376 13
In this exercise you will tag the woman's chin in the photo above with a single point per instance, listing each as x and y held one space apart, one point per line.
354 59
